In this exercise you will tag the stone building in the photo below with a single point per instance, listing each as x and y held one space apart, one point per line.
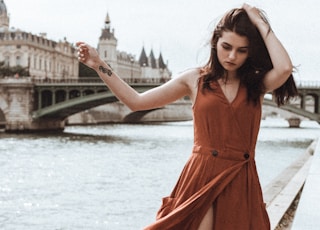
126 65
44 58
48 59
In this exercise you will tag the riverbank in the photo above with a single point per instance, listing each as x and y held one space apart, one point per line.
287 219
283 194
307 215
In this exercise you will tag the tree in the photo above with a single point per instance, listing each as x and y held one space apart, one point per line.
6 70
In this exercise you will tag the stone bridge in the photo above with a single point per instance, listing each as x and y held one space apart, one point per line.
28 105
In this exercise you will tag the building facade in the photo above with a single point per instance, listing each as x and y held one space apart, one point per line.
47 59
43 58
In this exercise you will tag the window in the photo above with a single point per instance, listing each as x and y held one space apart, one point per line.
18 60
7 61
35 62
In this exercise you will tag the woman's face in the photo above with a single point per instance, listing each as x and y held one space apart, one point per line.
232 50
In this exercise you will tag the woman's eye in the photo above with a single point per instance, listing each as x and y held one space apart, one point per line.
226 47
243 51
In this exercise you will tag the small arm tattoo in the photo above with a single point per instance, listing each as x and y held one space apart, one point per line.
105 70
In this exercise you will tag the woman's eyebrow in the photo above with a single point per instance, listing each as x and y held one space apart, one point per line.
242 47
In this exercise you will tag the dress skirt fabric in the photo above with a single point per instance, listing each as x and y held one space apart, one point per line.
221 170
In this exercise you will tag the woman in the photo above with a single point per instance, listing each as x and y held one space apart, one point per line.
219 186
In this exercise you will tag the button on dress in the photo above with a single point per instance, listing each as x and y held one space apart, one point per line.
221 171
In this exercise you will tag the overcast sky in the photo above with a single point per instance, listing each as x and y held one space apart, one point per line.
178 29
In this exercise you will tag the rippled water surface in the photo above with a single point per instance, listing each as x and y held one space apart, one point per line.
113 176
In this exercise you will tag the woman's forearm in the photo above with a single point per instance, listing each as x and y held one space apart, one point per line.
280 59
120 88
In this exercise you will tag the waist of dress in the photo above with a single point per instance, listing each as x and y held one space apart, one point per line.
233 154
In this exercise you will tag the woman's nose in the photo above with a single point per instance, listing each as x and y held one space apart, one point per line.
232 55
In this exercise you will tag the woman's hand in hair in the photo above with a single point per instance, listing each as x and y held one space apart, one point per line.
256 15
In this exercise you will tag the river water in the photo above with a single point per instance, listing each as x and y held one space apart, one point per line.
114 176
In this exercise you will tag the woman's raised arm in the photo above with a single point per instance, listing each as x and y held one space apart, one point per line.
282 66
154 98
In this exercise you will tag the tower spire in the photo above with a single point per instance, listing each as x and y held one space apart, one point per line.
107 21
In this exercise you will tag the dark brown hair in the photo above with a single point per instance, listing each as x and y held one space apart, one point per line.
258 63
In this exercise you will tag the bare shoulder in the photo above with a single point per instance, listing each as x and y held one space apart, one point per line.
190 78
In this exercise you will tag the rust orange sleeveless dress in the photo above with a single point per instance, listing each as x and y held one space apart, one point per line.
221 170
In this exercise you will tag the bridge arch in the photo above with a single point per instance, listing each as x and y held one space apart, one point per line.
137 116
48 97
64 100
293 109
69 107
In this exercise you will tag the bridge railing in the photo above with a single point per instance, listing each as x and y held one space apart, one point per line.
91 80
308 84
